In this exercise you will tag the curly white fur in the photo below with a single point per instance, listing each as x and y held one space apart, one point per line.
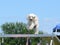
33 22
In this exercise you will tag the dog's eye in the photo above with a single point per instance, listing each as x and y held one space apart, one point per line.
33 17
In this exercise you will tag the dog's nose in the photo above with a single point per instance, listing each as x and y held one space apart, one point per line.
30 19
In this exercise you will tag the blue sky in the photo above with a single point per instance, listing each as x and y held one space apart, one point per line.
48 12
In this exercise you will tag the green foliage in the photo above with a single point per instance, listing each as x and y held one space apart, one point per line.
14 28
17 28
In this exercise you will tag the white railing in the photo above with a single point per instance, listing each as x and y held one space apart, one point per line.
27 35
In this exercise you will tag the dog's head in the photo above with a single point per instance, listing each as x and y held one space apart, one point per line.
32 17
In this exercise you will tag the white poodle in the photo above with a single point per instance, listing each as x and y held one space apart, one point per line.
33 23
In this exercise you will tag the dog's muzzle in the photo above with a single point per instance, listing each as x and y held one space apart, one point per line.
30 19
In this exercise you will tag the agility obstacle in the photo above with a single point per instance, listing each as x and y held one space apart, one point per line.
27 35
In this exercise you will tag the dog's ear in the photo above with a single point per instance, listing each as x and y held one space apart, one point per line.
36 18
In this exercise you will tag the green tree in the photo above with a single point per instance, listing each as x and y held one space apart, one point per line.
17 28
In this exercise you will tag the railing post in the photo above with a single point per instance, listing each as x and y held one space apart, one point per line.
47 43
39 42
51 42
27 41
2 41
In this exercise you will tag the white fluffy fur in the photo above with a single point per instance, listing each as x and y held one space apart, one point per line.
32 22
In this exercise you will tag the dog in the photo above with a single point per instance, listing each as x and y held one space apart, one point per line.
32 22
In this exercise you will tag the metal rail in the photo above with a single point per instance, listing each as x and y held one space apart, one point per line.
27 35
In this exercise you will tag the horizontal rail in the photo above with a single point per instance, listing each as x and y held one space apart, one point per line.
27 35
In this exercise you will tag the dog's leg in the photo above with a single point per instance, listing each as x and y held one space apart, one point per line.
31 26
36 32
